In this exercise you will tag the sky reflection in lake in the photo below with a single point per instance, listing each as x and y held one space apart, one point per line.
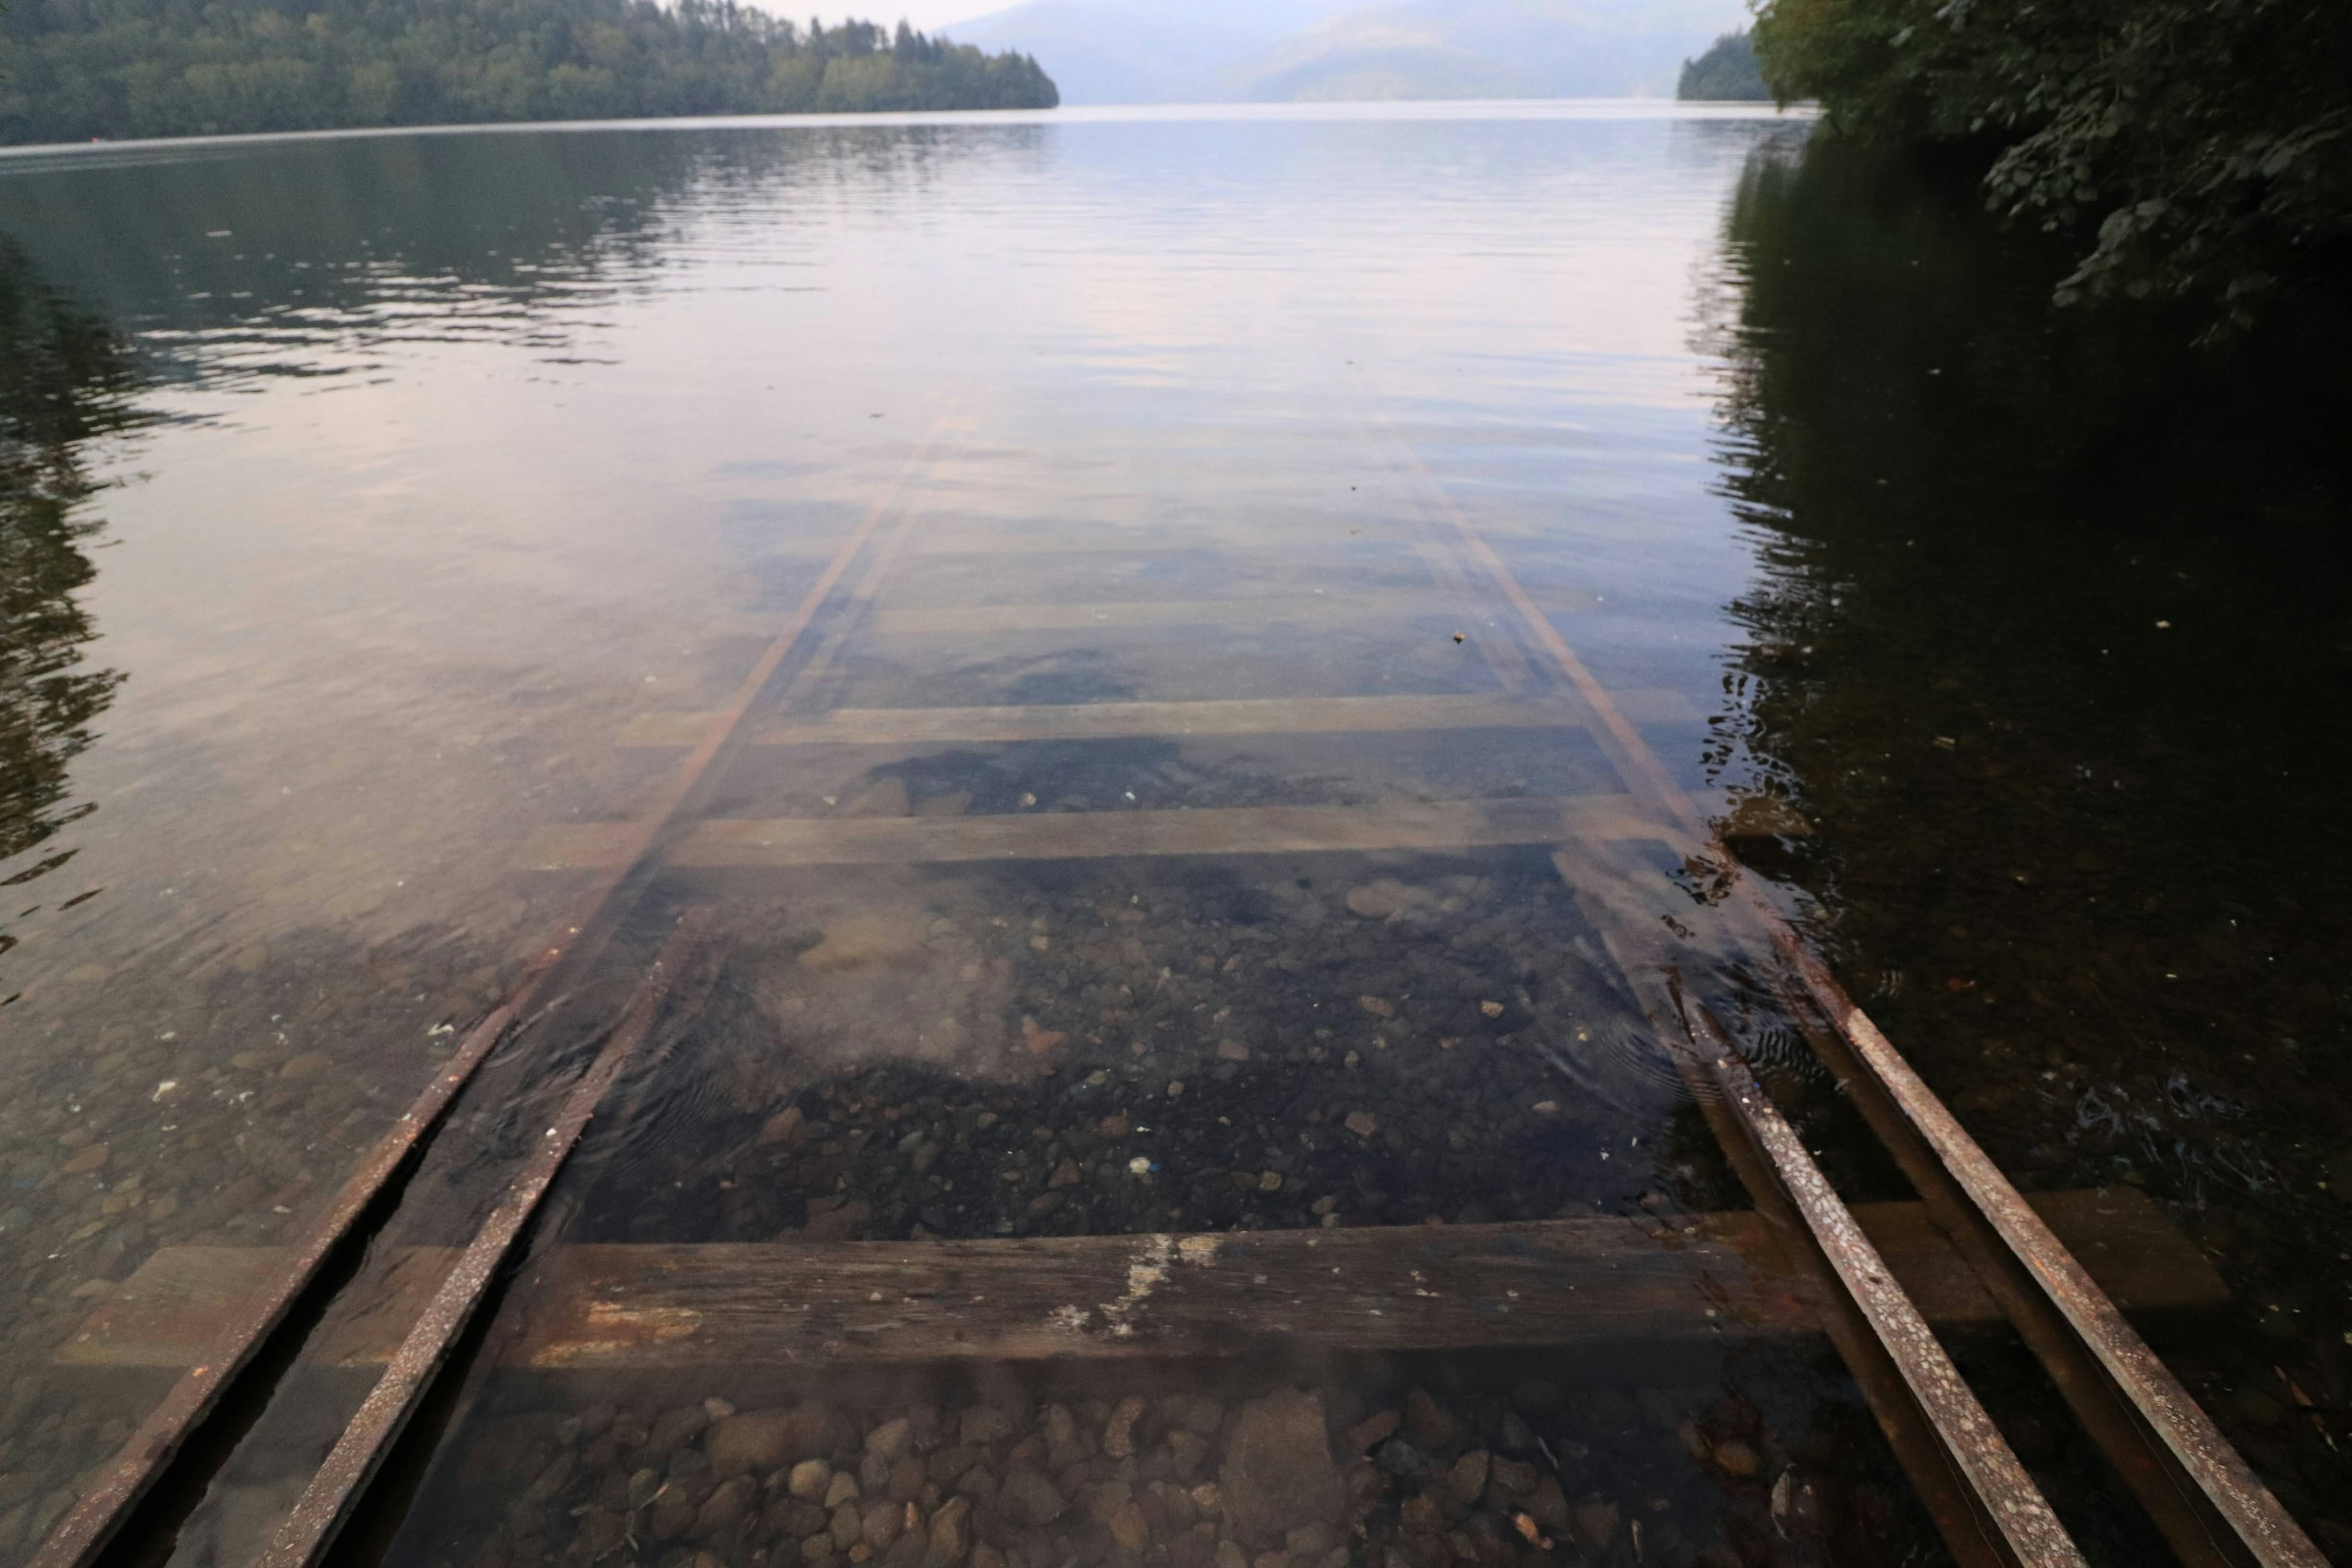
469 472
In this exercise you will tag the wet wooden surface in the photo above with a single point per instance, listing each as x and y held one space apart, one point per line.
1061 835
1354 609
1400 1287
1114 721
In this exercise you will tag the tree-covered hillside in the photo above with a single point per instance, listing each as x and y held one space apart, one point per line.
74 69
1725 73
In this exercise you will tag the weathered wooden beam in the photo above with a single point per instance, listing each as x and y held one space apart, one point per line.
632 1308
1120 720
1225 544
1356 608
1100 835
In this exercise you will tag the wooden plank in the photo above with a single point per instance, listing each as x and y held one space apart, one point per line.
1213 1296
1285 609
1112 721
2231 1516
1579 1281
2138 1256
1393 1288
1119 720
1285 542
1102 835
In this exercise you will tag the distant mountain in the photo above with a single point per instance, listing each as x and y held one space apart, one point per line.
1164 51
1146 52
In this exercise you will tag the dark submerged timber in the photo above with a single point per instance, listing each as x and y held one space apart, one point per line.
1065 1007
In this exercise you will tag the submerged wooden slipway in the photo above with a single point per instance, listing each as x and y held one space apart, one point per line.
529 1329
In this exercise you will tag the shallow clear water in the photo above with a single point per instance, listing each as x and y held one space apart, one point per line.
1135 834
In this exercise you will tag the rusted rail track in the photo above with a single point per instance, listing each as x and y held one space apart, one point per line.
1877 1306
2199 1492
327 1501
86 1529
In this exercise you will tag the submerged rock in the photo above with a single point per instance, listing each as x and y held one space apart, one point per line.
762 1440
1278 1471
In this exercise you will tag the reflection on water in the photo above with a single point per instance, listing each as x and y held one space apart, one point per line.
65 382
322 259
2050 627
1144 843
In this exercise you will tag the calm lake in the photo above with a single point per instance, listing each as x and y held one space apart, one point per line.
1100 624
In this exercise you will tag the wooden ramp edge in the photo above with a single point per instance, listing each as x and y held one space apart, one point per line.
1217 1295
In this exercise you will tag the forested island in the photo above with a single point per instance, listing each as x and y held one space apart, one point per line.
71 70
2202 148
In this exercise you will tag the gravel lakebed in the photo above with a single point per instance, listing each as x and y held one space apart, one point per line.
1312 1475
1114 1051
1109 1054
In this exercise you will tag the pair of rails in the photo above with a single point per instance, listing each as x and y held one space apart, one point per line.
1973 1248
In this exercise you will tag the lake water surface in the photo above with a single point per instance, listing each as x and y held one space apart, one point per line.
1139 543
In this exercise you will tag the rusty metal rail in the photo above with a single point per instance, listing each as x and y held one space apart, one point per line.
85 1529
1987 1509
2200 1490
2200 1493
2013 1523
2197 1488
328 1501
92 1523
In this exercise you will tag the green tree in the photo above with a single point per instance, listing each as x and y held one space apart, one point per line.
2206 144
72 70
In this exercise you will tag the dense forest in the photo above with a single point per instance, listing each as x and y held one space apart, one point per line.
71 70
1725 73
2202 148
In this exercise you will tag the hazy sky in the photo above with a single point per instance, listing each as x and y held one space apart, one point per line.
927 15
